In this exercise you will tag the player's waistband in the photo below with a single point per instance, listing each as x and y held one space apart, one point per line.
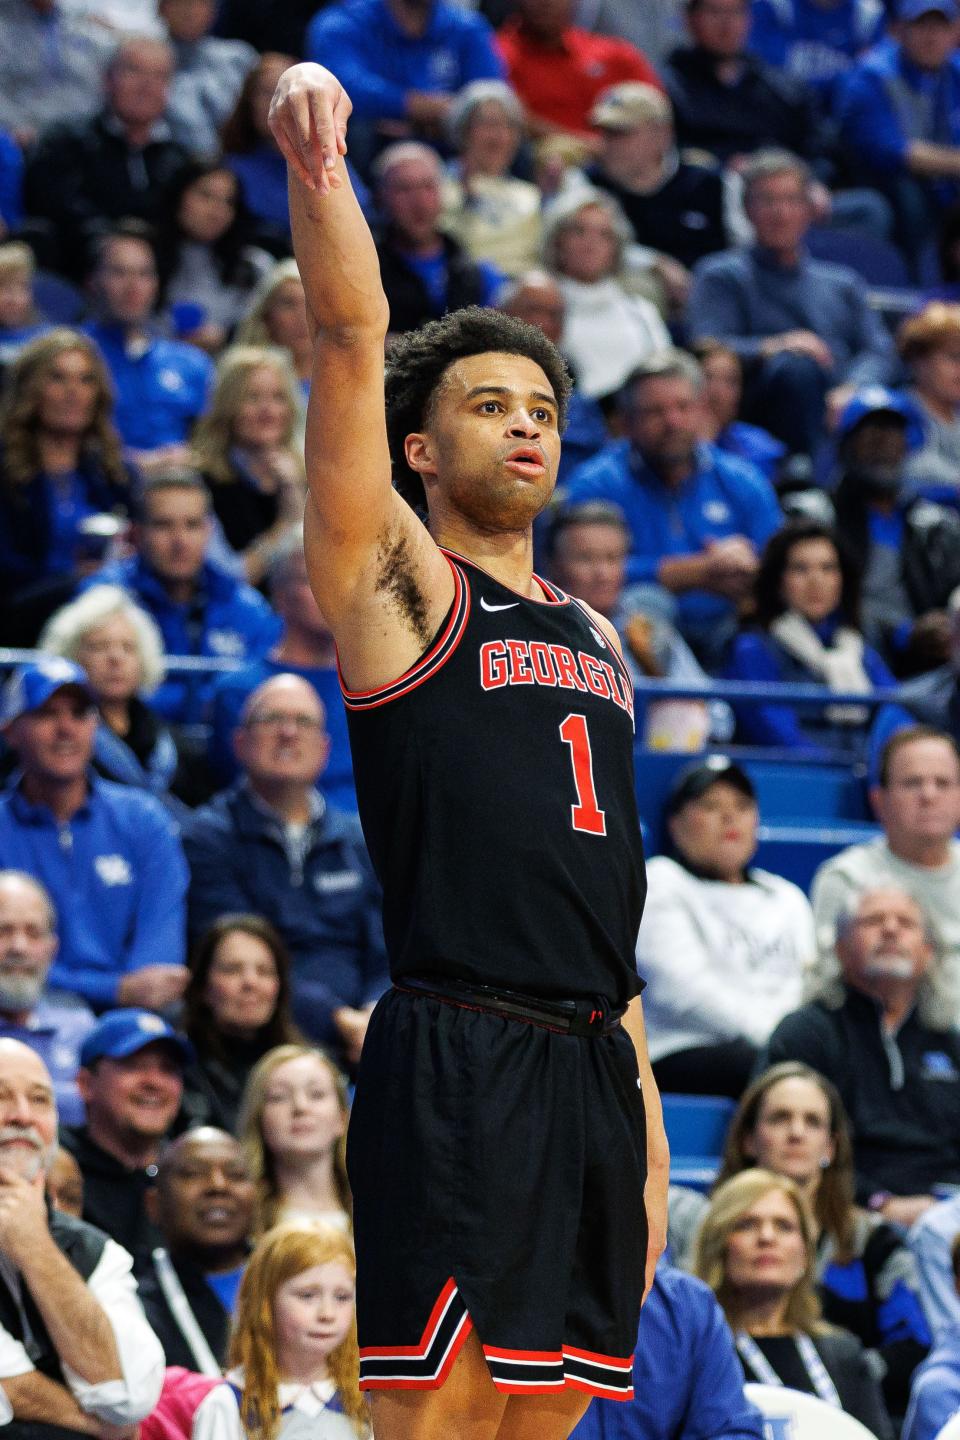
565 1017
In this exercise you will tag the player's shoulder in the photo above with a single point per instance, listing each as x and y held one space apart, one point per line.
605 626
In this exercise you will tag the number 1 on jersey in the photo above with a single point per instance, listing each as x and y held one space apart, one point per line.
586 815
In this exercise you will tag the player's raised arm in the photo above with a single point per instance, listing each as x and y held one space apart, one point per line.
353 513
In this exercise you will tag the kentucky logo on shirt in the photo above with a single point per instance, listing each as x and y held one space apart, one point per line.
113 869
227 642
935 1065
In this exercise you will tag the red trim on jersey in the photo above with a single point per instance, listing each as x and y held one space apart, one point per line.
466 1325
554 595
616 1362
536 1357
418 1352
428 664
601 1391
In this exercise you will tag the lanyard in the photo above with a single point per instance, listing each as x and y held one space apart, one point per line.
180 1309
816 1370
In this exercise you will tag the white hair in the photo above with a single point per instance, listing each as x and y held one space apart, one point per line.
565 209
66 630
938 1001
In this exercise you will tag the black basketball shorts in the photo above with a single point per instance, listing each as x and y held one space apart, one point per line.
497 1171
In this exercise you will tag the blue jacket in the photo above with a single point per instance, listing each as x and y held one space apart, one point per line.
885 102
687 1380
229 695
743 296
117 878
755 655
227 619
160 392
812 44
935 1394
378 63
326 904
725 496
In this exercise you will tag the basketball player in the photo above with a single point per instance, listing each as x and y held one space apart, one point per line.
506 1121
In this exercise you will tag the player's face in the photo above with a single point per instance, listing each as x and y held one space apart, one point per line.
766 1248
792 1134
490 456
313 1313
717 832
590 562
302 1115
263 418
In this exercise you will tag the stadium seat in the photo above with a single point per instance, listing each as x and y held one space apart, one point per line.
792 1415
796 851
696 1127
876 259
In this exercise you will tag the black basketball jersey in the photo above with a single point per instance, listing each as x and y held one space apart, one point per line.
496 790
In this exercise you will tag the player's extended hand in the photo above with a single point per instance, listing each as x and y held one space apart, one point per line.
308 119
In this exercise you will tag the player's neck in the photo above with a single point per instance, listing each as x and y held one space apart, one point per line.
506 555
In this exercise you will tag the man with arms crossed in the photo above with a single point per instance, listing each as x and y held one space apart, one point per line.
508 848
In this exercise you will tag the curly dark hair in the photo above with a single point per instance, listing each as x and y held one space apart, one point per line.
419 360
773 562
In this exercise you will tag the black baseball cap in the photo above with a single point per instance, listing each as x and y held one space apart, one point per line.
695 780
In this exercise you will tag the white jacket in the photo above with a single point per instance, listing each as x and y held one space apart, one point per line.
721 961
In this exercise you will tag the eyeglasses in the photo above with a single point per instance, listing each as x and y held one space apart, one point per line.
273 719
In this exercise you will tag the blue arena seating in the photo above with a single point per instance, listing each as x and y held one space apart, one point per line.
696 1127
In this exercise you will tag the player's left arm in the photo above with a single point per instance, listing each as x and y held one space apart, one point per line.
658 1151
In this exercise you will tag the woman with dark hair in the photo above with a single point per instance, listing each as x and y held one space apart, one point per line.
806 631
756 1249
61 459
791 1121
205 253
236 1008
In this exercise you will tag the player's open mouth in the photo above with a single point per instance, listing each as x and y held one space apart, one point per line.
527 461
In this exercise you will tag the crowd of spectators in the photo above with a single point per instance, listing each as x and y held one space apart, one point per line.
740 222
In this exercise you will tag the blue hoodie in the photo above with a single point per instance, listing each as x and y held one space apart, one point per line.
227 619
377 62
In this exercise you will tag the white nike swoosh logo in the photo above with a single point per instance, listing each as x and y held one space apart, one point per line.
485 605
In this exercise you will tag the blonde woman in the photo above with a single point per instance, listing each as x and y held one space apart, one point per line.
121 649
60 458
277 315
294 1361
607 330
247 448
756 1249
293 1127
19 319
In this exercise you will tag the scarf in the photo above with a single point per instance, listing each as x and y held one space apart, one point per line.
839 666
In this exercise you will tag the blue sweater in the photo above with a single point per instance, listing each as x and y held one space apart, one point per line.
117 878
724 496
227 618
325 902
885 102
378 63
161 391
755 655
743 296
687 1380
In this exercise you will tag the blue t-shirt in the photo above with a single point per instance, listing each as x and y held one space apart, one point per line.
226 1287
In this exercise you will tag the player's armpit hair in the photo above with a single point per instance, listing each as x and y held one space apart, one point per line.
420 358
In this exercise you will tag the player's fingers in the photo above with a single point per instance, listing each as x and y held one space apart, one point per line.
289 143
324 131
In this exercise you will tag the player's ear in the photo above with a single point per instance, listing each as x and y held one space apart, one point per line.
418 448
